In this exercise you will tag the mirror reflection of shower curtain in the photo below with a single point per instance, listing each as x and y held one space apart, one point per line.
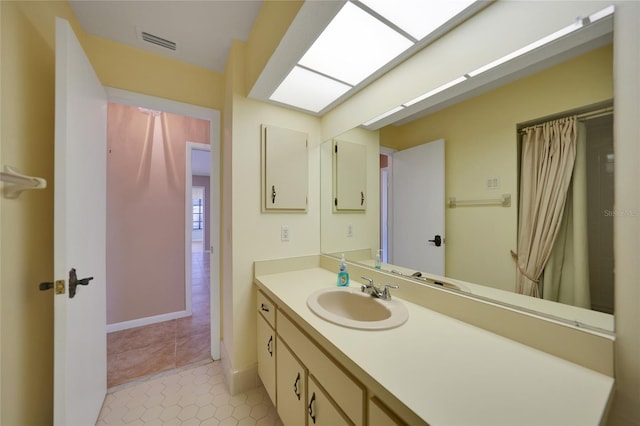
566 274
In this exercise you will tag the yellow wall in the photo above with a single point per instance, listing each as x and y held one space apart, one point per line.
128 68
27 131
254 235
481 142
124 67
26 223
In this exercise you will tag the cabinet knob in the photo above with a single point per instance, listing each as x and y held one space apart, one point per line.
296 388
311 406
269 343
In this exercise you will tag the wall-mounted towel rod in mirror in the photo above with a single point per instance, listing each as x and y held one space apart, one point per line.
505 201
15 182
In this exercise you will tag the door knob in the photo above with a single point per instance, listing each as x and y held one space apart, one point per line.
437 240
74 282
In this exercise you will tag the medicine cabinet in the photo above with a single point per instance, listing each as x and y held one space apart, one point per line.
349 176
285 170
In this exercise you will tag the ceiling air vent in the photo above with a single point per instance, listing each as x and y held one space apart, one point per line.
154 39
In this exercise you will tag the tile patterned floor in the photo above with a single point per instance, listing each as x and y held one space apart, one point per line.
191 396
142 351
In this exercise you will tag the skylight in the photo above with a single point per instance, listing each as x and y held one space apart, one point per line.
356 44
308 90
419 18
353 46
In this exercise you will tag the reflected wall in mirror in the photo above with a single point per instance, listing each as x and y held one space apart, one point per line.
481 144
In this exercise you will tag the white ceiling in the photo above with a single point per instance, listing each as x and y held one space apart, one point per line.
203 30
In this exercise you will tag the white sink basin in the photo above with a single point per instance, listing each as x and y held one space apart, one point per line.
351 308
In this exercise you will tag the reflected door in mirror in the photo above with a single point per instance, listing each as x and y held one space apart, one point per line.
417 208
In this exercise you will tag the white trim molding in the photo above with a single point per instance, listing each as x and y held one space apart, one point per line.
125 325
213 116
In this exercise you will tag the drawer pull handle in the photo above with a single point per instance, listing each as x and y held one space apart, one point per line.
264 307
311 405
296 390
269 345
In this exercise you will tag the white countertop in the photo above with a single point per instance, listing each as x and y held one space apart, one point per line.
449 372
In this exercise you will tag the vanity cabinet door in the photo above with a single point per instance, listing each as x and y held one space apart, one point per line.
320 408
347 393
267 357
291 387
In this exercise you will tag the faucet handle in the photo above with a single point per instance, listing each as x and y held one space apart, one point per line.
369 280
386 295
366 288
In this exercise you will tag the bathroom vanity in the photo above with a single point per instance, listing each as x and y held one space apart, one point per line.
433 369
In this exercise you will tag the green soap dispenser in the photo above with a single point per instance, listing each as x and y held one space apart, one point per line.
343 275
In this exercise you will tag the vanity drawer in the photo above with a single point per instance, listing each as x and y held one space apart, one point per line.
347 393
267 309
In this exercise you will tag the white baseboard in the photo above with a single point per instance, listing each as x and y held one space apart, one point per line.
146 321
237 380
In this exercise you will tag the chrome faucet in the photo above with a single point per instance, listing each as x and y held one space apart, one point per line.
374 291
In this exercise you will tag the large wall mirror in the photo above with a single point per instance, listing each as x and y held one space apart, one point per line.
479 131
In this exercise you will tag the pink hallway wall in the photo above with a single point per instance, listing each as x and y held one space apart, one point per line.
145 210
204 181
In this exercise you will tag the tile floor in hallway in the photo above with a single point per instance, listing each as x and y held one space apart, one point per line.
143 351
192 396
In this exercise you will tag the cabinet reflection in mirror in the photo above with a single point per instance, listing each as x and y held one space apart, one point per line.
486 247
349 176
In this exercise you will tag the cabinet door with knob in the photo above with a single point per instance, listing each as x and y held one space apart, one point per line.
267 357
291 386
285 169
320 409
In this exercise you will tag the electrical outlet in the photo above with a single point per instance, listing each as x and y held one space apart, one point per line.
349 230
493 182
284 233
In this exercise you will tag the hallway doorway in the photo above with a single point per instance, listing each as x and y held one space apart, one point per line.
158 337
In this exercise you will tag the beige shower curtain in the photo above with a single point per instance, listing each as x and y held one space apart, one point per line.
548 155
566 275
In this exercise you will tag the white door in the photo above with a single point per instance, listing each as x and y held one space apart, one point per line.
79 234
417 208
